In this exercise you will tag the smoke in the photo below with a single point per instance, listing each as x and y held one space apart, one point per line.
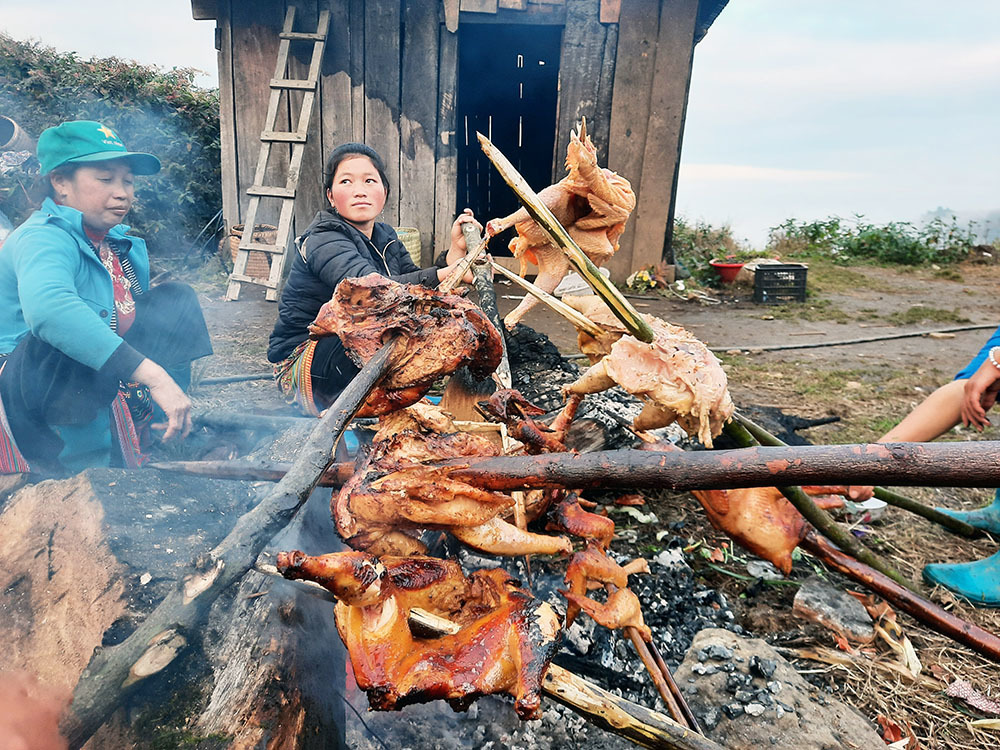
29 718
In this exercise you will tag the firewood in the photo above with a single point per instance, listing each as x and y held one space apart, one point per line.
913 604
112 673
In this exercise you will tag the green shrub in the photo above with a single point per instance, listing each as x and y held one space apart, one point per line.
696 244
153 110
898 242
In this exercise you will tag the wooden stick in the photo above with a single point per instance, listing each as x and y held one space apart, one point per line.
689 716
225 419
255 471
932 464
621 307
472 254
919 464
654 672
893 498
820 518
578 319
927 612
114 672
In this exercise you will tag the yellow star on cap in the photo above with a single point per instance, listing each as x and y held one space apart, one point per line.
108 132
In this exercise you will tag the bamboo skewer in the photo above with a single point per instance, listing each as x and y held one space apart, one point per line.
892 498
578 319
623 310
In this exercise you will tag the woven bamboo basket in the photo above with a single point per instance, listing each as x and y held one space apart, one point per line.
258 264
410 237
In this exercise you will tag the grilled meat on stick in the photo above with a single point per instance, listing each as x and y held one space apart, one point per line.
592 568
760 519
676 377
505 645
443 332
592 203
393 496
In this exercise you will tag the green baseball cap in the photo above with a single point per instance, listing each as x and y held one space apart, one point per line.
82 141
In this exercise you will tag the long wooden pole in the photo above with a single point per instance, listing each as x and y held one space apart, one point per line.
913 604
917 464
115 672
892 498
920 464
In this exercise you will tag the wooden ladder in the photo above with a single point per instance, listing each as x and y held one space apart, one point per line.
297 138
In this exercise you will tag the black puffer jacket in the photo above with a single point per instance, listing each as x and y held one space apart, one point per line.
331 250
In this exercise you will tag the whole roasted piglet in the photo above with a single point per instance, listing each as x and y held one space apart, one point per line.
505 644
442 332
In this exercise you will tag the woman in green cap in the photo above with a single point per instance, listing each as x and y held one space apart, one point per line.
87 348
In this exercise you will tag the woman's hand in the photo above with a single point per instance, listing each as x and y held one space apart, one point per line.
444 273
168 396
980 395
457 249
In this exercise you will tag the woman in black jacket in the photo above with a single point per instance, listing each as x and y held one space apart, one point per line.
343 241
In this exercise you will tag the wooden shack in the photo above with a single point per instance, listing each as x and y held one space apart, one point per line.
416 79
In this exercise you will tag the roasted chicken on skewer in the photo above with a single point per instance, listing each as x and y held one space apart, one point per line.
676 377
393 496
505 645
592 568
442 333
592 203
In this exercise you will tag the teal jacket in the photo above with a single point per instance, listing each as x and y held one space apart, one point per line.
54 285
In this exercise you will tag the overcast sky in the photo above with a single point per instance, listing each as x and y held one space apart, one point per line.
798 108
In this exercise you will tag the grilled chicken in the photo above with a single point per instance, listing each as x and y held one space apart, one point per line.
392 496
676 377
509 406
592 568
505 644
569 517
442 332
592 203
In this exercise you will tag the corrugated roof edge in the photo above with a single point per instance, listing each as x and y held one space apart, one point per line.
708 11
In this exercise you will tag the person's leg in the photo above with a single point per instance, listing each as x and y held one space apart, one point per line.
170 329
331 371
51 403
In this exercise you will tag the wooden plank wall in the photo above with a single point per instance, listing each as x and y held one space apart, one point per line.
655 45
389 78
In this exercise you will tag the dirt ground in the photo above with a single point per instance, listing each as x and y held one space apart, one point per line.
868 386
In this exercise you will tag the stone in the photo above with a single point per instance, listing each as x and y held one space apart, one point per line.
797 722
818 601
762 667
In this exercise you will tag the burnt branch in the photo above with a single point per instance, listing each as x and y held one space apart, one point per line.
115 672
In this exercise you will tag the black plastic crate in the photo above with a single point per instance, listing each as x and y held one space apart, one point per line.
776 283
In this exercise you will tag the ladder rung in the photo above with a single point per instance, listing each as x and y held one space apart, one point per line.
251 280
260 247
302 35
270 191
293 83
283 136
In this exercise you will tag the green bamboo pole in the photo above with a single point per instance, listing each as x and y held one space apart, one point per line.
953 525
819 518
623 310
